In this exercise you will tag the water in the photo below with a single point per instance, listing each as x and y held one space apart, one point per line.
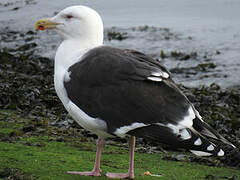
204 27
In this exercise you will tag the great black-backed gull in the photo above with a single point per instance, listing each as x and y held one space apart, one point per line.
121 92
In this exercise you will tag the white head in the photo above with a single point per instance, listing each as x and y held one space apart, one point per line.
75 23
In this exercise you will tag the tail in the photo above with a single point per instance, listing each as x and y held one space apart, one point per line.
206 130
200 139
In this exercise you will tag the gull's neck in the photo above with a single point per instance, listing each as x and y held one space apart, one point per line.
70 51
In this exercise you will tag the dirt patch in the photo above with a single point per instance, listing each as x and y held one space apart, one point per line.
14 174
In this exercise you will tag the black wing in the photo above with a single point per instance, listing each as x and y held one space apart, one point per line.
113 85
123 87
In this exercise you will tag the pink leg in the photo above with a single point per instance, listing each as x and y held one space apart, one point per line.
96 170
130 173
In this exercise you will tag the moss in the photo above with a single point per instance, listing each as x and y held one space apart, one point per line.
41 155
112 34
183 56
55 158
162 54
206 66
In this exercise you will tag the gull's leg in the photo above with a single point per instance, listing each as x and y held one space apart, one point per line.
96 170
130 173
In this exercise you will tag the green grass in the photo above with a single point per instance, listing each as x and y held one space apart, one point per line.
43 157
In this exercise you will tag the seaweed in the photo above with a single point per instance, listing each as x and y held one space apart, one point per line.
113 35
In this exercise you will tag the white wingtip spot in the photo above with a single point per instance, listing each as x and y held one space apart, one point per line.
198 142
163 74
158 79
221 153
210 148
185 134
200 153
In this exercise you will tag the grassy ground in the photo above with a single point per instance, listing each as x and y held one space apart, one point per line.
30 155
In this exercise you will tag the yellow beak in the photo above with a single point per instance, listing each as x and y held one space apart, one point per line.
43 24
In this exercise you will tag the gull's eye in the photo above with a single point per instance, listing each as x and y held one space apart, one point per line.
69 16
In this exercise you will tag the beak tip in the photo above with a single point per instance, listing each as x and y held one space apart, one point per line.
36 25
42 24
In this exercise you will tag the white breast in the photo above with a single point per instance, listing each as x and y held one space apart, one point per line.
63 60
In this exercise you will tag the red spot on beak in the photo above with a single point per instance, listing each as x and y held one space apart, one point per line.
41 28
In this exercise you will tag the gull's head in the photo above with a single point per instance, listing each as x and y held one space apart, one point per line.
75 22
